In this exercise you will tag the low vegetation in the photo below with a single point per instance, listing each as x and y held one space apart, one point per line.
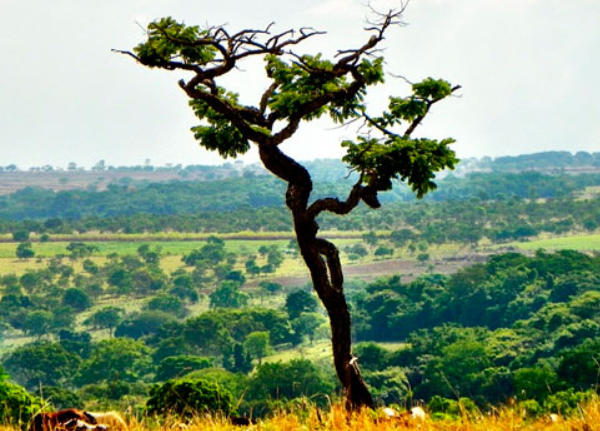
105 324
515 327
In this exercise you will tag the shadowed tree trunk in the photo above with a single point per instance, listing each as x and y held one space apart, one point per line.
322 259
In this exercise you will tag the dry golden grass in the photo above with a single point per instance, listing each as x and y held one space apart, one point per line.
586 418
337 419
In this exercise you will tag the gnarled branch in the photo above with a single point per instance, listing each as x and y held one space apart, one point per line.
334 205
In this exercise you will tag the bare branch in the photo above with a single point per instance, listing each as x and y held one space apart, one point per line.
386 20
401 77
129 53
378 126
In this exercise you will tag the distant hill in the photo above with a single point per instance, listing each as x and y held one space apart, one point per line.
12 179
548 162
104 193
253 192
324 171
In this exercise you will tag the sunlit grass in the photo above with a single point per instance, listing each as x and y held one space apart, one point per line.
317 351
127 246
575 242
589 192
304 417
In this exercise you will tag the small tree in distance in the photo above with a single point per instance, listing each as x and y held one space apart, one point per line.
302 88
24 251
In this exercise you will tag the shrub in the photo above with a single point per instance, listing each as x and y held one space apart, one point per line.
531 408
389 386
565 402
445 408
177 366
188 397
61 398
285 381
77 299
16 405
21 235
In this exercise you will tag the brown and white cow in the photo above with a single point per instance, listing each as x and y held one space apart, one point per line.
60 419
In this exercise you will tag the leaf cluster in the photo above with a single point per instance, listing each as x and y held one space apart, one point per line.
310 78
414 161
219 134
170 41
400 156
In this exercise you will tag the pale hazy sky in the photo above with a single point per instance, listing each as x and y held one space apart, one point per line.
530 71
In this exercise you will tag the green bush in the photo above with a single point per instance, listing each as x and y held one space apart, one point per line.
235 383
531 408
389 386
565 402
17 406
114 392
177 366
445 408
62 398
275 383
188 397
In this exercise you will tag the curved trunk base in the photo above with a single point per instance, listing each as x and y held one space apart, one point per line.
357 392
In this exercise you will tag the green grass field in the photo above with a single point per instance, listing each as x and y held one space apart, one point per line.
319 350
171 251
126 245
575 242
248 243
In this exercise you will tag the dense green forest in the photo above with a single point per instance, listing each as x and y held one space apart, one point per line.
515 326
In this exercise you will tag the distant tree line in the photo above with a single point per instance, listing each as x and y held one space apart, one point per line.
243 194
467 221
546 160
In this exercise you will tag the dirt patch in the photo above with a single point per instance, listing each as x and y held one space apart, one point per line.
408 269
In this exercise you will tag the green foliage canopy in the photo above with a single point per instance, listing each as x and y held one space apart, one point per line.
188 398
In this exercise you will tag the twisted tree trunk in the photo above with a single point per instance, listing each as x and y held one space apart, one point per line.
323 262
301 90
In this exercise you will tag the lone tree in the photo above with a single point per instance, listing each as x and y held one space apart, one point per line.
302 88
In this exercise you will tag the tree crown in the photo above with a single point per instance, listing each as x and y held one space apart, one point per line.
303 87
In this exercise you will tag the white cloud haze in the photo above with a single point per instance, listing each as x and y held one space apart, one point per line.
529 71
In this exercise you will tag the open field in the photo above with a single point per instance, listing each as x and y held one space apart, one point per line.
241 244
444 259
187 236
61 180
407 268
319 350
574 242
51 249
292 271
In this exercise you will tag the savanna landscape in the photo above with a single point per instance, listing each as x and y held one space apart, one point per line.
394 287
468 305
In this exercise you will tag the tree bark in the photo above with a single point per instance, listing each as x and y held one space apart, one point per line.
322 259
